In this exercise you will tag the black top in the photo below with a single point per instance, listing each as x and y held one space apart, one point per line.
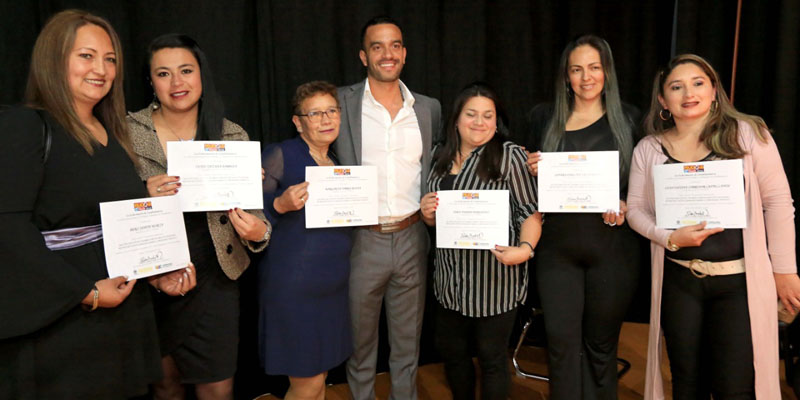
49 346
595 137
724 246
473 282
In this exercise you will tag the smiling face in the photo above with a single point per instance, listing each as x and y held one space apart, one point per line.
92 65
477 123
384 54
585 72
687 92
318 134
176 79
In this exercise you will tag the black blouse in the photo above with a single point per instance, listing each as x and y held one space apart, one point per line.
49 346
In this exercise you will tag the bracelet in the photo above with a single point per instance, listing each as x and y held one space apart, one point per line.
95 300
530 246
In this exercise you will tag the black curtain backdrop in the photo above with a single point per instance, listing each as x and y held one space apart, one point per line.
260 51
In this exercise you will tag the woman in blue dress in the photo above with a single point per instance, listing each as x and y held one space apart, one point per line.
304 322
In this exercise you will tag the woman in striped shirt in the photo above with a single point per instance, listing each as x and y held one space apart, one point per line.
478 291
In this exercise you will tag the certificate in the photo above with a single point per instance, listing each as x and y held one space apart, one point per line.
216 176
690 193
144 237
579 182
472 219
341 196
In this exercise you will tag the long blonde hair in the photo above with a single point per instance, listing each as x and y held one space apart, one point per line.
721 133
48 87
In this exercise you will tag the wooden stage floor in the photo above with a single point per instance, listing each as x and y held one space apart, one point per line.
433 384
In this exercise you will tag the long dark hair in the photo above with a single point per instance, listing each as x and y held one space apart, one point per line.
211 110
621 125
49 89
721 133
489 164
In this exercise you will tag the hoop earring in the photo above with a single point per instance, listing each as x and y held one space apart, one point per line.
661 114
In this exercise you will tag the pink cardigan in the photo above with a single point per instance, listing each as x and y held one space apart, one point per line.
768 247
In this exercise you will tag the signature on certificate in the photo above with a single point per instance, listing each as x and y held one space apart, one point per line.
471 235
580 198
151 257
697 212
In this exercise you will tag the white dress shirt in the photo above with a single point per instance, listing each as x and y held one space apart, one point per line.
395 148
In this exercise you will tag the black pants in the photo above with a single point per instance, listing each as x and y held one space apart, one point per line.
455 336
586 283
706 326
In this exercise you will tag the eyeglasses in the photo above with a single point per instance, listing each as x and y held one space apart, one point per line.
316 116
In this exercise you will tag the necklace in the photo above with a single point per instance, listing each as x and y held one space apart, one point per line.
166 124
323 160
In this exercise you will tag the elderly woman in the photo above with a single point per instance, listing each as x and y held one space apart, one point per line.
70 331
586 285
721 329
199 331
479 291
304 324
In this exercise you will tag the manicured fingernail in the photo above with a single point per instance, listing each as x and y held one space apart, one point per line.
176 190
185 275
178 184
189 270
180 280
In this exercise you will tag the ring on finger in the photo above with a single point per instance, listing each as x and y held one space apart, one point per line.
613 223
158 189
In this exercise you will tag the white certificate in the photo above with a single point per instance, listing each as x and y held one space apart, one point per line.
216 176
579 182
690 193
144 237
341 196
472 219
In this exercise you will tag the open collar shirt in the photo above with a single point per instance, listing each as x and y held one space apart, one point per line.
394 146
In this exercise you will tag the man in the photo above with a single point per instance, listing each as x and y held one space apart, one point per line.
387 126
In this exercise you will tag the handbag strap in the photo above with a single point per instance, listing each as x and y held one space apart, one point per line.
47 136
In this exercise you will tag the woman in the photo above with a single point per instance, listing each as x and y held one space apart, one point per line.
586 285
198 332
70 331
719 327
478 291
304 324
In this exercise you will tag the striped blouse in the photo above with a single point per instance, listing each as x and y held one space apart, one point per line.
473 282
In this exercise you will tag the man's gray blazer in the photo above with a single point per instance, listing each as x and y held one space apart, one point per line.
348 144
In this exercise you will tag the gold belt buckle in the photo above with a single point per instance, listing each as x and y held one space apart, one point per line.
697 261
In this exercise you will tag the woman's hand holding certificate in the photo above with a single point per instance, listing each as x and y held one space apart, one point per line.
144 237
472 219
691 193
216 176
578 182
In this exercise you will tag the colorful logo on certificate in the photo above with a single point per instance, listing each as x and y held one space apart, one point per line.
213 147
688 169
341 171
576 157
142 205
470 196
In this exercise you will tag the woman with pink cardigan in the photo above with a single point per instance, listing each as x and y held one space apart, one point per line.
721 329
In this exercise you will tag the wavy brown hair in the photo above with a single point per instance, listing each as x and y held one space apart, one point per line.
721 132
48 88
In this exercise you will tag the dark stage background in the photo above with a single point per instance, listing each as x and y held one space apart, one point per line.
261 50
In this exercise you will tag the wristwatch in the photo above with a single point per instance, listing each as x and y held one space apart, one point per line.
672 246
